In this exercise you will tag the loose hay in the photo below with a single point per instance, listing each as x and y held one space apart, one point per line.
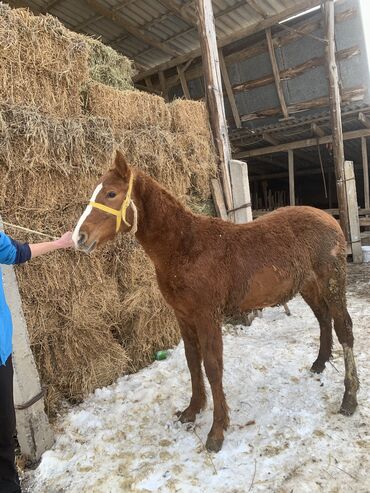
42 63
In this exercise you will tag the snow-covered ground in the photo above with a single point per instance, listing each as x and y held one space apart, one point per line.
285 433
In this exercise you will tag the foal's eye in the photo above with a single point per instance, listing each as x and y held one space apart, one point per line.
111 195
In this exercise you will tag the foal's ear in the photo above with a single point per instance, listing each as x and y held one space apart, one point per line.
121 165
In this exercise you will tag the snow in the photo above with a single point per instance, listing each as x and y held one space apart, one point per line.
285 432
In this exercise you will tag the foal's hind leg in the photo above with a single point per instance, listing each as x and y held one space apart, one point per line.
318 305
194 360
336 299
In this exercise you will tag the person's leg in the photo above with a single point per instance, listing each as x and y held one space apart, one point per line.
9 482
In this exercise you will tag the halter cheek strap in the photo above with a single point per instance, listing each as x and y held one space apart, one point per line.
121 213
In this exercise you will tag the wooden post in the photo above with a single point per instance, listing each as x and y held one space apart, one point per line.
214 96
291 178
336 117
33 430
354 221
365 167
241 192
218 199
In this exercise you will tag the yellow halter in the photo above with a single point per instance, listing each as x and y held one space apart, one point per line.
121 213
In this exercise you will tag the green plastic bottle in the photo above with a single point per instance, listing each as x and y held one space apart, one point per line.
160 355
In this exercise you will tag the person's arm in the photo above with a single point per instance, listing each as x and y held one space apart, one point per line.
14 252
50 246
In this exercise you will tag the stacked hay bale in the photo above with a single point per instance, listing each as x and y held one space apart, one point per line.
90 318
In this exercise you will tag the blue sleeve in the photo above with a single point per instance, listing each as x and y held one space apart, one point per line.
12 252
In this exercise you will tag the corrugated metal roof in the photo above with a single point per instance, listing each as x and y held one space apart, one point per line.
175 26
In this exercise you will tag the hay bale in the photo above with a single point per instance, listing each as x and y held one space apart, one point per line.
108 66
35 142
190 117
128 110
43 64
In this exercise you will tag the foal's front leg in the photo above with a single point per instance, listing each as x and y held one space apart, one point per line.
194 360
211 344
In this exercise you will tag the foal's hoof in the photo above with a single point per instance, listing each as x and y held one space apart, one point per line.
214 444
349 405
186 416
318 366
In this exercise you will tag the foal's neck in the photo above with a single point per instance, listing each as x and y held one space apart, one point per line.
164 225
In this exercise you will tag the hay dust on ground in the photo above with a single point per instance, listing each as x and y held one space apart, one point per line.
285 432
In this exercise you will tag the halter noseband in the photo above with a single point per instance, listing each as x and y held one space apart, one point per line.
121 213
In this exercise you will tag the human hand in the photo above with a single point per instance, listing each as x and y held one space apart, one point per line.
65 241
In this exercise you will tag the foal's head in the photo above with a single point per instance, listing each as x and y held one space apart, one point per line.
110 209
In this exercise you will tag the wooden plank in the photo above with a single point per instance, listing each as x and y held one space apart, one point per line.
136 31
301 144
236 35
275 70
365 168
291 178
33 430
214 96
218 199
183 81
229 90
241 191
353 218
335 115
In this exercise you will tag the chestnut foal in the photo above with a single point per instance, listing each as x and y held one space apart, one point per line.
207 268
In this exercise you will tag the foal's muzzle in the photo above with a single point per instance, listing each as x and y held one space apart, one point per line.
81 243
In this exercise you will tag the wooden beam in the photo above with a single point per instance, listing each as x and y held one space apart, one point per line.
364 120
365 168
335 115
292 72
291 178
214 96
179 10
275 70
229 91
136 31
50 5
256 7
317 130
285 174
184 84
301 144
237 35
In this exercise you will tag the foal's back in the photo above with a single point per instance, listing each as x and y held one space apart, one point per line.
266 262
